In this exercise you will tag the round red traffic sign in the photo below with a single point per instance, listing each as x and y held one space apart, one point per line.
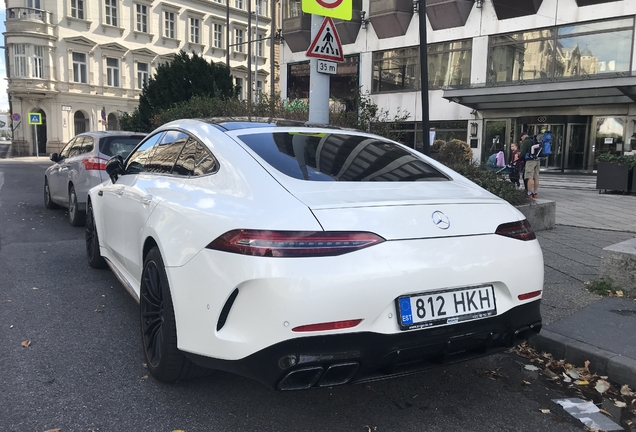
329 4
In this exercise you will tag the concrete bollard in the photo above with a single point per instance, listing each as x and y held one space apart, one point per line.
618 265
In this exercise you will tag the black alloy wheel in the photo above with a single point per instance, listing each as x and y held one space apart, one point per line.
76 217
158 325
47 196
93 255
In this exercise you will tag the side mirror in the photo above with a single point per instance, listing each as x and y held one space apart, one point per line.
115 167
54 157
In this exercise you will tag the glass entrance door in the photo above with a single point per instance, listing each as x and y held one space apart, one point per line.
575 150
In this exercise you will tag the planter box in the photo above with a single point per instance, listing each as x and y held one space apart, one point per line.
612 176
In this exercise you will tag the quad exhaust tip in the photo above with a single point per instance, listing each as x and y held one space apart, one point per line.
319 376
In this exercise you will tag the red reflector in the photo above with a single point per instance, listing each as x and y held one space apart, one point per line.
520 230
293 243
328 326
529 295
94 163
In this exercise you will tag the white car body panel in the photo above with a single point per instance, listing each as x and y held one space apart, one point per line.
275 291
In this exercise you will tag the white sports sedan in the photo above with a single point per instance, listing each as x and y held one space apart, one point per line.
309 256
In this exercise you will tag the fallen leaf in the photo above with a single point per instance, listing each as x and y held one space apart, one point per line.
602 386
619 293
573 373
26 343
524 382
545 410
625 390
178 430
620 404
587 364
605 412
35 288
144 378
53 430
582 382
531 368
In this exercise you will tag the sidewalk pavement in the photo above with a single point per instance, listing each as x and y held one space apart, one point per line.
579 325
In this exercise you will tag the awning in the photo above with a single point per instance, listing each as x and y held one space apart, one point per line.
593 91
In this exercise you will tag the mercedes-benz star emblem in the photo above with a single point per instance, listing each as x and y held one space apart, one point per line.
440 220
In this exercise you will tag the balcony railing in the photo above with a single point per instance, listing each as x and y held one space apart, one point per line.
30 14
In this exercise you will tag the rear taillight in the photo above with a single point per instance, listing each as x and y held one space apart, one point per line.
337 325
293 243
94 163
528 296
520 230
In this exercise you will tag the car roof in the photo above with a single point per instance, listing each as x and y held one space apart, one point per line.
111 133
238 123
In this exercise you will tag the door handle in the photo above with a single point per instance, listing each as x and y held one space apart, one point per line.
146 200
120 192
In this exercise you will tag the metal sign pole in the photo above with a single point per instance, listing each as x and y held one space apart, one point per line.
37 149
318 83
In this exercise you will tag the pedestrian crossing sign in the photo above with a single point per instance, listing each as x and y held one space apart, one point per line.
35 118
326 45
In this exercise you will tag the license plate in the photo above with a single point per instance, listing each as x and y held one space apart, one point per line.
446 307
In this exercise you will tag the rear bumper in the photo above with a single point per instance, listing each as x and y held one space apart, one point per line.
327 360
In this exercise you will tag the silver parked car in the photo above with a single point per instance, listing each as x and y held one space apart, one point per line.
80 166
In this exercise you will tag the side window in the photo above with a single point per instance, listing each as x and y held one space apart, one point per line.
185 162
167 152
86 146
76 148
205 162
141 156
65 152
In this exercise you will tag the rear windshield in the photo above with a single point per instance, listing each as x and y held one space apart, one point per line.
339 157
119 145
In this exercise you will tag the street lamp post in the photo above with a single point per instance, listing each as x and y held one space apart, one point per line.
424 79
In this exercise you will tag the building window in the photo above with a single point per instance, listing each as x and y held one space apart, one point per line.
38 62
259 90
260 7
168 24
449 64
292 9
238 4
218 36
112 72
19 61
142 74
259 45
33 4
238 40
567 51
238 82
142 18
111 12
79 68
195 30
77 9
396 70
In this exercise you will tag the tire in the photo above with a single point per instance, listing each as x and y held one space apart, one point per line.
95 259
76 217
47 196
158 325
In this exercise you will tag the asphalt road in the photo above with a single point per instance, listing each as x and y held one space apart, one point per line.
83 369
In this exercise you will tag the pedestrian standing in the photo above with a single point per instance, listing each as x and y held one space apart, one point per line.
516 163
531 170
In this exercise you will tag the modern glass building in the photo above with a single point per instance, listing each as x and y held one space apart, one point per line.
495 68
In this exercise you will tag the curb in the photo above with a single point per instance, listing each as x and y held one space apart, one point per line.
620 369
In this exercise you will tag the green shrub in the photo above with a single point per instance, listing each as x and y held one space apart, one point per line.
491 181
437 145
630 161
455 152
